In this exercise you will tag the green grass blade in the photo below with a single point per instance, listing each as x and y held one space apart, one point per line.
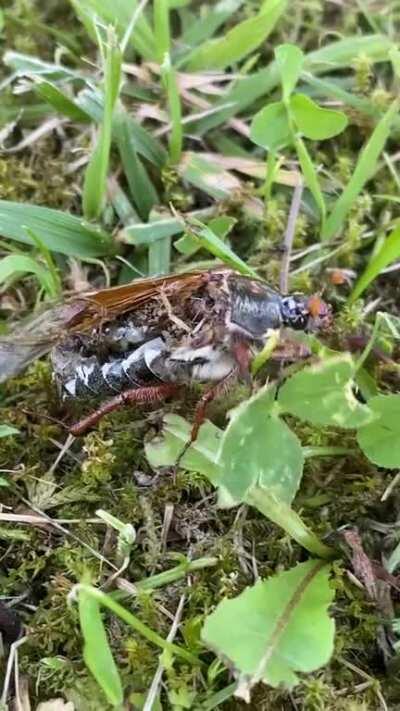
95 183
97 653
16 265
160 257
209 22
60 101
141 188
388 253
27 65
175 140
161 28
59 231
153 231
118 14
210 241
146 145
310 176
238 42
53 275
364 170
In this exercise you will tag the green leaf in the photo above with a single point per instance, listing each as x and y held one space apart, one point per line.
59 231
209 21
238 42
210 241
161 28
7 430
242 94
97 653
160 257
276 628
27 65
208 177
280 513
380 440
387 254
394 56
221 226
315 122
60 101
95 182
289 59
201 455
270 127
323 395
258 448
149 232
17 264
175 139
118 14
364 170
310 176
141 188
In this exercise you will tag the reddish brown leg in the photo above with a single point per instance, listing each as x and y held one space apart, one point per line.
242 355
151 393
201 409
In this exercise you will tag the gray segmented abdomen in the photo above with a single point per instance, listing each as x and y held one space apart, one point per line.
81 376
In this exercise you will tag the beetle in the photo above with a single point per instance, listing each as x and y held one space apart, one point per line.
143 341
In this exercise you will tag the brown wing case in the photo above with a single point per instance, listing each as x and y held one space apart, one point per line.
119 299
36 338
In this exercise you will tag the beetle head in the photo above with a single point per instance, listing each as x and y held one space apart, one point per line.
305 313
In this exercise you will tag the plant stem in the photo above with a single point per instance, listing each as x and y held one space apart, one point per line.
132 621
280 513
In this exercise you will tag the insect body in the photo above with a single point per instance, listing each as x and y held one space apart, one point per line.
142 341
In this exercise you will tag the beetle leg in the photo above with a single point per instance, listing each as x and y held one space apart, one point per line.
150 393
201 408
242 355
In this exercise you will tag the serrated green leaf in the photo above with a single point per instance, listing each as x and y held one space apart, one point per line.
276 628
238 42
259 449
387 254
270 127
289 59
380 440
97 653
315 122
323 395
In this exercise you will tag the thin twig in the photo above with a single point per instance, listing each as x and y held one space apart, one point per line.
153 691
289 236
10 664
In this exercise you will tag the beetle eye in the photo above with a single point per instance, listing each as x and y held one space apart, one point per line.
295 312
